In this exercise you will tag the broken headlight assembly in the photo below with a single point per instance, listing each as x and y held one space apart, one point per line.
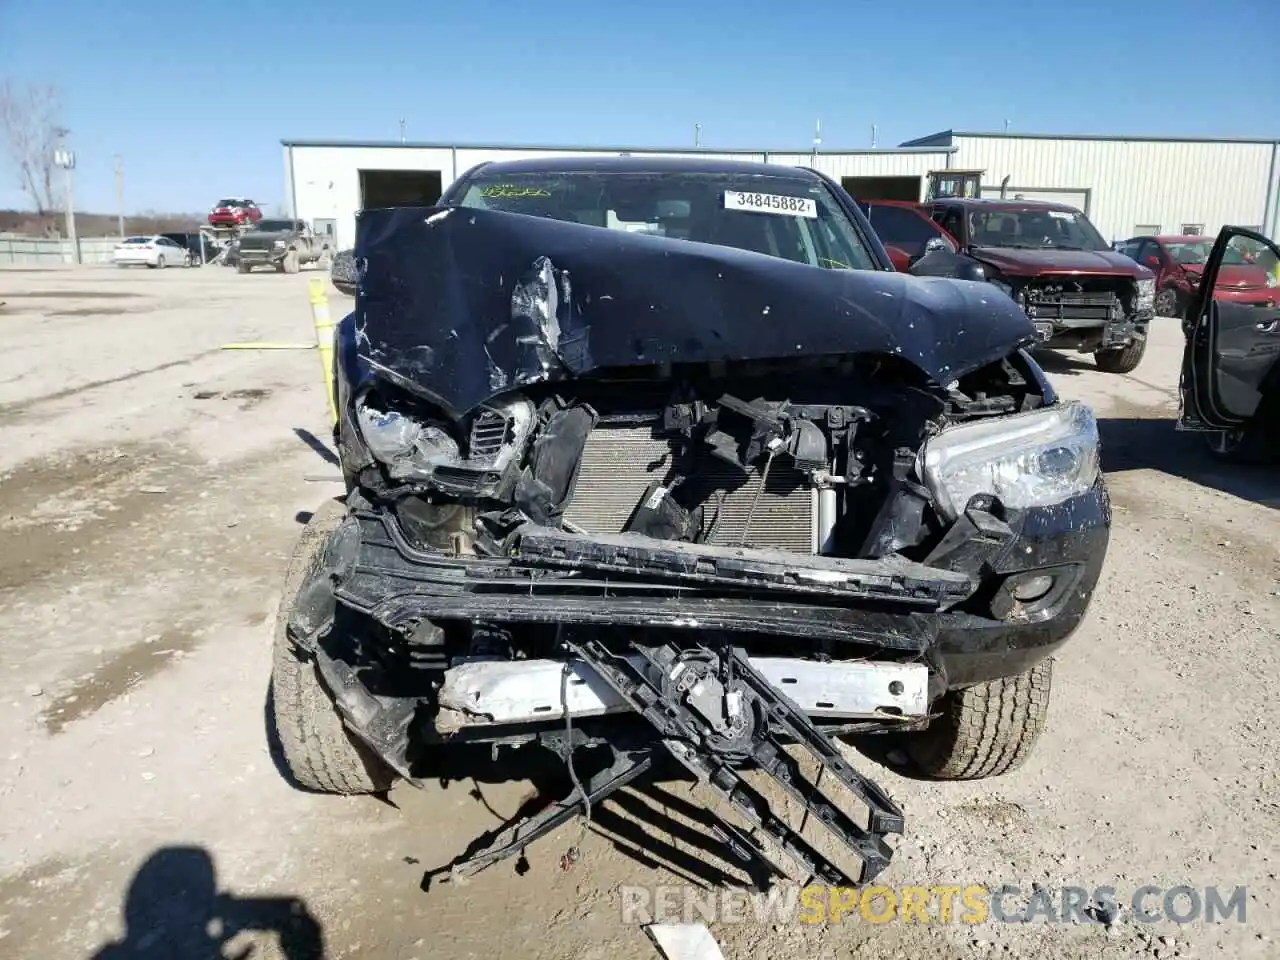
1146 295
1026 460
413 446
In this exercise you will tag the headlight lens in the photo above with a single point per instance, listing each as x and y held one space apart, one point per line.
1026 460
414 447
1146 294
278 243
408 447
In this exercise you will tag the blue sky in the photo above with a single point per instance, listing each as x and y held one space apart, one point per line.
196 96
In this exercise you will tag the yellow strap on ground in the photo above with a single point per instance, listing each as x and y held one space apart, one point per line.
267 345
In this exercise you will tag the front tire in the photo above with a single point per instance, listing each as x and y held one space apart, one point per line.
985 730
320 753
1122 359
291 263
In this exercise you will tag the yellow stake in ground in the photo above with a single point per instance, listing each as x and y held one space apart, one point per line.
324 340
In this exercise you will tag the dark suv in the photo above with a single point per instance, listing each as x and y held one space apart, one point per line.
1078 292
662 456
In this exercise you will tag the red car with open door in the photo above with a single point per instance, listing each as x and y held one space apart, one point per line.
1230 385
1179 261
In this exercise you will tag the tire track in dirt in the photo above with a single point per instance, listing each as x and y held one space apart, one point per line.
17 409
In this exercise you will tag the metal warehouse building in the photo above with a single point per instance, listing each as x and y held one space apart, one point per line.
1127 185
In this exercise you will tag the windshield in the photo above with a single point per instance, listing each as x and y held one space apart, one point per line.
1194 253
782 217
276 226
1034 228
1190 254
229 203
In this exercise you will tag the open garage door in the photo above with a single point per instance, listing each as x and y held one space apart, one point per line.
882 188
399 188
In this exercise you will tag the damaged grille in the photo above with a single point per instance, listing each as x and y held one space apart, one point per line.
620 461
1074 301
488 434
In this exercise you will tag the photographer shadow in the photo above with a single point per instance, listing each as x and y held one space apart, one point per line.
175 909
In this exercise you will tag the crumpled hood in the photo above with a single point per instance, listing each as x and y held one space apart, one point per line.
461 305
1014 262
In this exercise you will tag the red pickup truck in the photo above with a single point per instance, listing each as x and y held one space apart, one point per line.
1078 293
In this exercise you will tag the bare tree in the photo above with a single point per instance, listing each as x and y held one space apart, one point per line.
31 125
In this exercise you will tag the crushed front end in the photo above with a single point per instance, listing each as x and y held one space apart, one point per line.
588 509
1086 314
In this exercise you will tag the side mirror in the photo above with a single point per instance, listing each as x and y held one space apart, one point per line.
1153 263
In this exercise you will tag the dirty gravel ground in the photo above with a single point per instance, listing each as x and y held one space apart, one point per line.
151 488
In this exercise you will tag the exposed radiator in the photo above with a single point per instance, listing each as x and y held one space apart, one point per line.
620 461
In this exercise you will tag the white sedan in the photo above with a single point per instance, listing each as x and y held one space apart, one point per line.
155 251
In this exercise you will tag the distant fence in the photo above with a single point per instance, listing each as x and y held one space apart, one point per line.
37 251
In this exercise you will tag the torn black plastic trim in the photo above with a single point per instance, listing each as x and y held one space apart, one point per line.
888 579
396 584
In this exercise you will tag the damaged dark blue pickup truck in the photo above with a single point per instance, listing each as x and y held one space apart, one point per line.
660 458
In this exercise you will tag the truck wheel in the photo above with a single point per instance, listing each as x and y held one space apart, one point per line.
318 750
291 264
241 267
1122 359
987 729
1167 303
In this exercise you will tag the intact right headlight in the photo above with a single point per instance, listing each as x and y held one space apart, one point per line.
1026 460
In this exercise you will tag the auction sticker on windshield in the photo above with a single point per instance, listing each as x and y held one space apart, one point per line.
771 203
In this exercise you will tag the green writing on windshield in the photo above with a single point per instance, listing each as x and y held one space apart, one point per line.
511 191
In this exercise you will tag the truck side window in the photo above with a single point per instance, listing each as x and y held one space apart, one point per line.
952 220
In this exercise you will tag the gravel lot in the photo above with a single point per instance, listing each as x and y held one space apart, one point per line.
151 488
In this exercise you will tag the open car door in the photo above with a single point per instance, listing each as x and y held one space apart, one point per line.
1231 362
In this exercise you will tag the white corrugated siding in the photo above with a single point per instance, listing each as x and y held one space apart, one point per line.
1133 182
326 180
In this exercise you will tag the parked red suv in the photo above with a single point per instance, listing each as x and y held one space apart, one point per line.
906 230
234 212
1178 263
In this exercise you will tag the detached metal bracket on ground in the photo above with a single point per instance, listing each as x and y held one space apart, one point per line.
714 712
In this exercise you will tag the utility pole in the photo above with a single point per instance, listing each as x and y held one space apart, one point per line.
1006 126
697 135
66 159
873 136
402 129
817 139
120 194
